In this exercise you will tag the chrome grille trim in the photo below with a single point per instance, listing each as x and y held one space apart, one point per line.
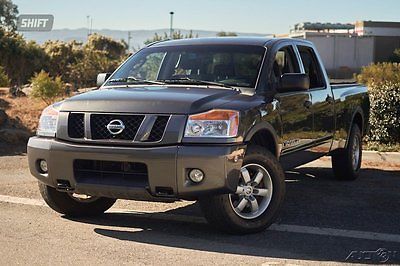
142 133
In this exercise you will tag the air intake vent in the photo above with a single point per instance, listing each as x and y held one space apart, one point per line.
158 129
76 125
125 174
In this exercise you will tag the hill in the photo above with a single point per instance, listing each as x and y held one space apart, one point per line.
138 36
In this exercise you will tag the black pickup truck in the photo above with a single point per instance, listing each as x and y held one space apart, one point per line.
216 120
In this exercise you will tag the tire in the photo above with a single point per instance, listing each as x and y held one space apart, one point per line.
346 163
65 203
223 211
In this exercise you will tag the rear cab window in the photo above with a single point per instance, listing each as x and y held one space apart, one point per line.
312 67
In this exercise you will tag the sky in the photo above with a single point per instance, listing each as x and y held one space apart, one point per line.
251 16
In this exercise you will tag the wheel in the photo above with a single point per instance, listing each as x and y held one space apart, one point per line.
346 163
72 204
258 197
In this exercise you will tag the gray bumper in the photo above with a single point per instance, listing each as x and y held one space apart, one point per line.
167 167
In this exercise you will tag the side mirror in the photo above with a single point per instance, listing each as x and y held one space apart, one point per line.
294 82
101 78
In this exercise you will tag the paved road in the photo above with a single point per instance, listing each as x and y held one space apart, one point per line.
322 221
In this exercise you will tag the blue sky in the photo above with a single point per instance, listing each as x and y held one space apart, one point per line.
253 16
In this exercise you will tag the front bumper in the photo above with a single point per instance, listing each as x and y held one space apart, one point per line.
167 168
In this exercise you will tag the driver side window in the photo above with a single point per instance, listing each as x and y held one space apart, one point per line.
285 62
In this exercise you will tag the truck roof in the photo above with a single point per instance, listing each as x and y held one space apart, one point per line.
257 41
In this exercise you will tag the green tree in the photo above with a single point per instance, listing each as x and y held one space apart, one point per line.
175 36
156 38
73 62
63 55
112 49
100 54
79 63
83 73
226 34
19 58
8 15
34 59
4 80
46 88
190 35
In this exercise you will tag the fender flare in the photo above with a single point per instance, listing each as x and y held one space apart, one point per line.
356 111
264 126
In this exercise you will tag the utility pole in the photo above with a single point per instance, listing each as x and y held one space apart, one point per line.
171 30
91 25
88 25
129 40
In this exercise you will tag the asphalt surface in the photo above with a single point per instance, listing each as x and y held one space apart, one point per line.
322 221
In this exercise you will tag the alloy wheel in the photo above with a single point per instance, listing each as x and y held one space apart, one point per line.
253 193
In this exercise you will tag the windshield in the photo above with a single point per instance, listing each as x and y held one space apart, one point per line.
233 65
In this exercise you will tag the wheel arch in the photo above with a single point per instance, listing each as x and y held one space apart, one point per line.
263 134
357 119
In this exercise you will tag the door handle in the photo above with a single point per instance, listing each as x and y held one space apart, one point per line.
307 104
329 99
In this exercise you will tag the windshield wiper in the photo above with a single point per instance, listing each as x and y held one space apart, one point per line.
134 80
187 80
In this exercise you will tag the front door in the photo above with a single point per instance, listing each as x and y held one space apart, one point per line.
295 109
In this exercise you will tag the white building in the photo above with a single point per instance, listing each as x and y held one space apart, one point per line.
345 48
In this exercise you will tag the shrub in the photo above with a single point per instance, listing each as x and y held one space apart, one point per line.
383 81
4 80
384 112
395 58
46 88
379 73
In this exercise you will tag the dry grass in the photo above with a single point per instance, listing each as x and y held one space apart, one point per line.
23 112
376 146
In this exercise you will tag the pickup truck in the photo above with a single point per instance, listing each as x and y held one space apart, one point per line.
217 120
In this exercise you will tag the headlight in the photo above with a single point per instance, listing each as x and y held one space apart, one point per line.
214 123
48 122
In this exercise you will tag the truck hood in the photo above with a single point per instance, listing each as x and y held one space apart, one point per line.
150 99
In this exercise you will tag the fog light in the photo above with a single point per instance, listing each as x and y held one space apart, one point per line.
196 175
43 166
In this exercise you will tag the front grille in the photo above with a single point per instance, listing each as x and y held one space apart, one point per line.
99 122
115 128
158 129
131 174
76 125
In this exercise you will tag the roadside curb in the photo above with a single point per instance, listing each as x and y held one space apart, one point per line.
391 157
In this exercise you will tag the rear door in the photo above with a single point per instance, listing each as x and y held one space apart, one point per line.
321 98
